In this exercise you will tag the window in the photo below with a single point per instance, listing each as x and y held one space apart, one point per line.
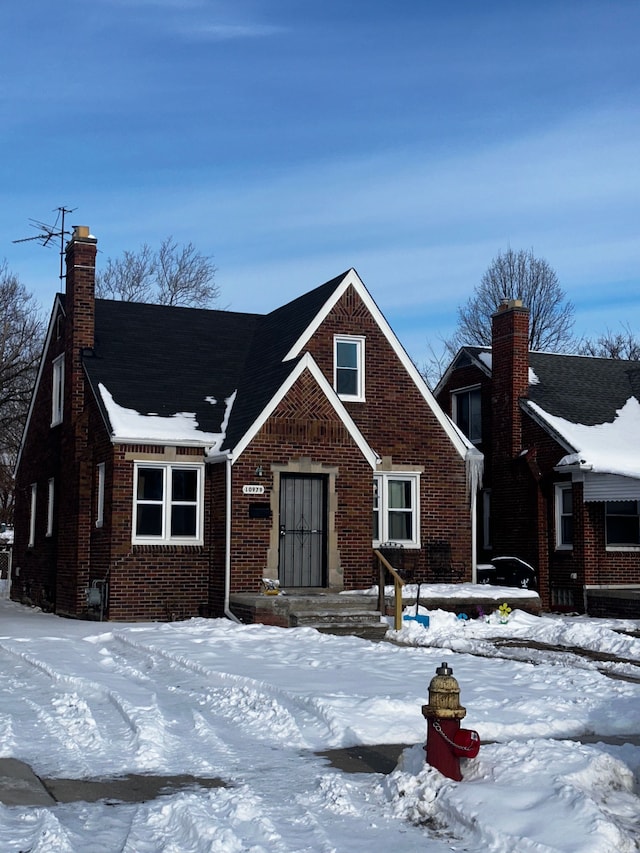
167 504
57 391
623 523
100 501
564 516
50 497
467 413
348 360
32 515
395 509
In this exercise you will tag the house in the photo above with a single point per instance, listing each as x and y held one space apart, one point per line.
561 439
176 459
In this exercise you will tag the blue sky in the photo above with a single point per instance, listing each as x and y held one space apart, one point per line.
293 139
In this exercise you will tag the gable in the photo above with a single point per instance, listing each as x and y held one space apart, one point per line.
323 397
351 300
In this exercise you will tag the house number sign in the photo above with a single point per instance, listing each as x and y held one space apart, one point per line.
253 490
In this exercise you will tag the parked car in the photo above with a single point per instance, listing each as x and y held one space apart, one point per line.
508 571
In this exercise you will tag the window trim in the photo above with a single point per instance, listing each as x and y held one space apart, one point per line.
57 390
50 501
621 546
455 395
100 469
359 342
559 490
167 503
383 509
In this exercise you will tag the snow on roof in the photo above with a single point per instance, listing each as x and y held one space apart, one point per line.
127 424
486 359
607 448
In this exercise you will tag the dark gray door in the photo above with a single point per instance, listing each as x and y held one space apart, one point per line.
302 558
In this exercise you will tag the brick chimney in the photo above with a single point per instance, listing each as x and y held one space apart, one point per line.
80 309
510 374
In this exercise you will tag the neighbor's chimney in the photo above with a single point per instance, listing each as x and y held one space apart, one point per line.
510 373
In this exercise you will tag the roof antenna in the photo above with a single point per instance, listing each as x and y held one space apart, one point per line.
50 232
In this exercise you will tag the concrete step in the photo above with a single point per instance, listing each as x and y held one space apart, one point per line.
346 617
375 631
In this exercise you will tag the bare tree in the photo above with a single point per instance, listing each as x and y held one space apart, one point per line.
172 275
623 345
518 275
21 331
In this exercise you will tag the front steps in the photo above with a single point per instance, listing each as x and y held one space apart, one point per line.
329 613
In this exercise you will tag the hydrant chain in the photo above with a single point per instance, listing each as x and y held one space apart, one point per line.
438 728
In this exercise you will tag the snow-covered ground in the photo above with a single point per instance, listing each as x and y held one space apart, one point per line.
557 772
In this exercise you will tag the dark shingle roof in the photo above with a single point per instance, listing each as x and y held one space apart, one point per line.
157 359
580 389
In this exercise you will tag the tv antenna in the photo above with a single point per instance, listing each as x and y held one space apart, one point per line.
48 233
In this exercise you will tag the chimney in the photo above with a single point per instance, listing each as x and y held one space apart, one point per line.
510 373
80 308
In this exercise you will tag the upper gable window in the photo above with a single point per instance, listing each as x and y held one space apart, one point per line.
348 367
623 523
467 412
57 391
167 504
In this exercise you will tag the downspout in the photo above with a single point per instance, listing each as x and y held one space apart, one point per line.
474 465
474 537
227 545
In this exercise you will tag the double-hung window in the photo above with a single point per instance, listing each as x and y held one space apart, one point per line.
564 516
348 367
167 504
467 412
396 509
57 391
623 523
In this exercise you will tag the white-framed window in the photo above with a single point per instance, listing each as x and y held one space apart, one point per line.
167 503
622 524
32 515
57 390
50 499
396 510
467 412
348 367
564 516
100 495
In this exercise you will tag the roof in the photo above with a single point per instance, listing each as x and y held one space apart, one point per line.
208 378
590 405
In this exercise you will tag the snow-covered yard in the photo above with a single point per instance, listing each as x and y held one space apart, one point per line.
252 704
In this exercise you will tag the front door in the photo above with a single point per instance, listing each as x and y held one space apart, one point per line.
303 512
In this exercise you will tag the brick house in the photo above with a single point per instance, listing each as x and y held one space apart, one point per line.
174 458
561 439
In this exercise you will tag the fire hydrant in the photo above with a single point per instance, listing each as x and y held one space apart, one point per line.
447 743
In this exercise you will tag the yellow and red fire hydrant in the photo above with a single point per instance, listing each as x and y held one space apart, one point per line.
447 743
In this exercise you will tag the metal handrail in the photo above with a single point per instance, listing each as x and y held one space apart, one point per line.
398 583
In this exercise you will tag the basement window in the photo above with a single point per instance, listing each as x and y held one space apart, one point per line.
167 504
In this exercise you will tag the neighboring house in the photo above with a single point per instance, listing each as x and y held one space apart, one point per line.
561 440
176 457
